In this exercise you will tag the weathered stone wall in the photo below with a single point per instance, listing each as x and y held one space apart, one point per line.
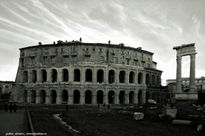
46 70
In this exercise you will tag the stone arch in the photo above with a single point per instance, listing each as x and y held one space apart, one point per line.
111 97
25 96
131 97
111 76
34 76
88 75
76 75
131 77
147 79
42 96
65 75
76 97
100 97
88 97
147 96
43 75
100 76
140 78
122 76
33 96
54 75
65 96
53 96
153 79
139 97
122 97
25 76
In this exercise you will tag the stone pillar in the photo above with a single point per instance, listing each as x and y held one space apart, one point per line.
59 78
192 73
82 75
127 77
29 76
82 97
39 76
178 79
29 97
37 97
143 96
136 97
105 76
94 98
116 97
58 99
70 98
48 75
48 97
94 76
116 76
105 98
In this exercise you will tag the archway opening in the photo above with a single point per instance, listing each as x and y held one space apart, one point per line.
100 76
77 75
25 96
122 97
153 79
42 96
54 75
76 98
111 76
88 97
100 97
147 79
65 75
111 97
88 75
131 97
65 96
33 96
25 76
122 77
131 77
53 97
44 75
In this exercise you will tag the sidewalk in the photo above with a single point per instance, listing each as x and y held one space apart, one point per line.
12 122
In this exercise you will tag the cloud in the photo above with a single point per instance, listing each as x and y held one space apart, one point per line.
156 26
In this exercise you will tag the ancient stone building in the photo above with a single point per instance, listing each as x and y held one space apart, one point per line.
85 73
5 88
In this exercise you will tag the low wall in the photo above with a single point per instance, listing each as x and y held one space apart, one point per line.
186 96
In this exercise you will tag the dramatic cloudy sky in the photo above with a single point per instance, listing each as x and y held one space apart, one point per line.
154 25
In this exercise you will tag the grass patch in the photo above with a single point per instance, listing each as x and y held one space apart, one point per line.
43 122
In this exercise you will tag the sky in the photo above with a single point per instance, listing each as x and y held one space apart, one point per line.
154 25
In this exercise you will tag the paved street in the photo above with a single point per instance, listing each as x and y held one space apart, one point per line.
12 122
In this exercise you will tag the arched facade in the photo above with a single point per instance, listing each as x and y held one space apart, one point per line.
86 74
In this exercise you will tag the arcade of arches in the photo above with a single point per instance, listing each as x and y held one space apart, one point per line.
83 97
100 76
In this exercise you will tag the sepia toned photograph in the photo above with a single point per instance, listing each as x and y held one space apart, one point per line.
102 68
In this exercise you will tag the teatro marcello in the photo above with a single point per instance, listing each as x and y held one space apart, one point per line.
85 73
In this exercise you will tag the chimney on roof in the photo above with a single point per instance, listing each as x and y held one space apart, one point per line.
109 42
39 43
80 39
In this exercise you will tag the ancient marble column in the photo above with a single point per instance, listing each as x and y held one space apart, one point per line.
192 72
178 79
